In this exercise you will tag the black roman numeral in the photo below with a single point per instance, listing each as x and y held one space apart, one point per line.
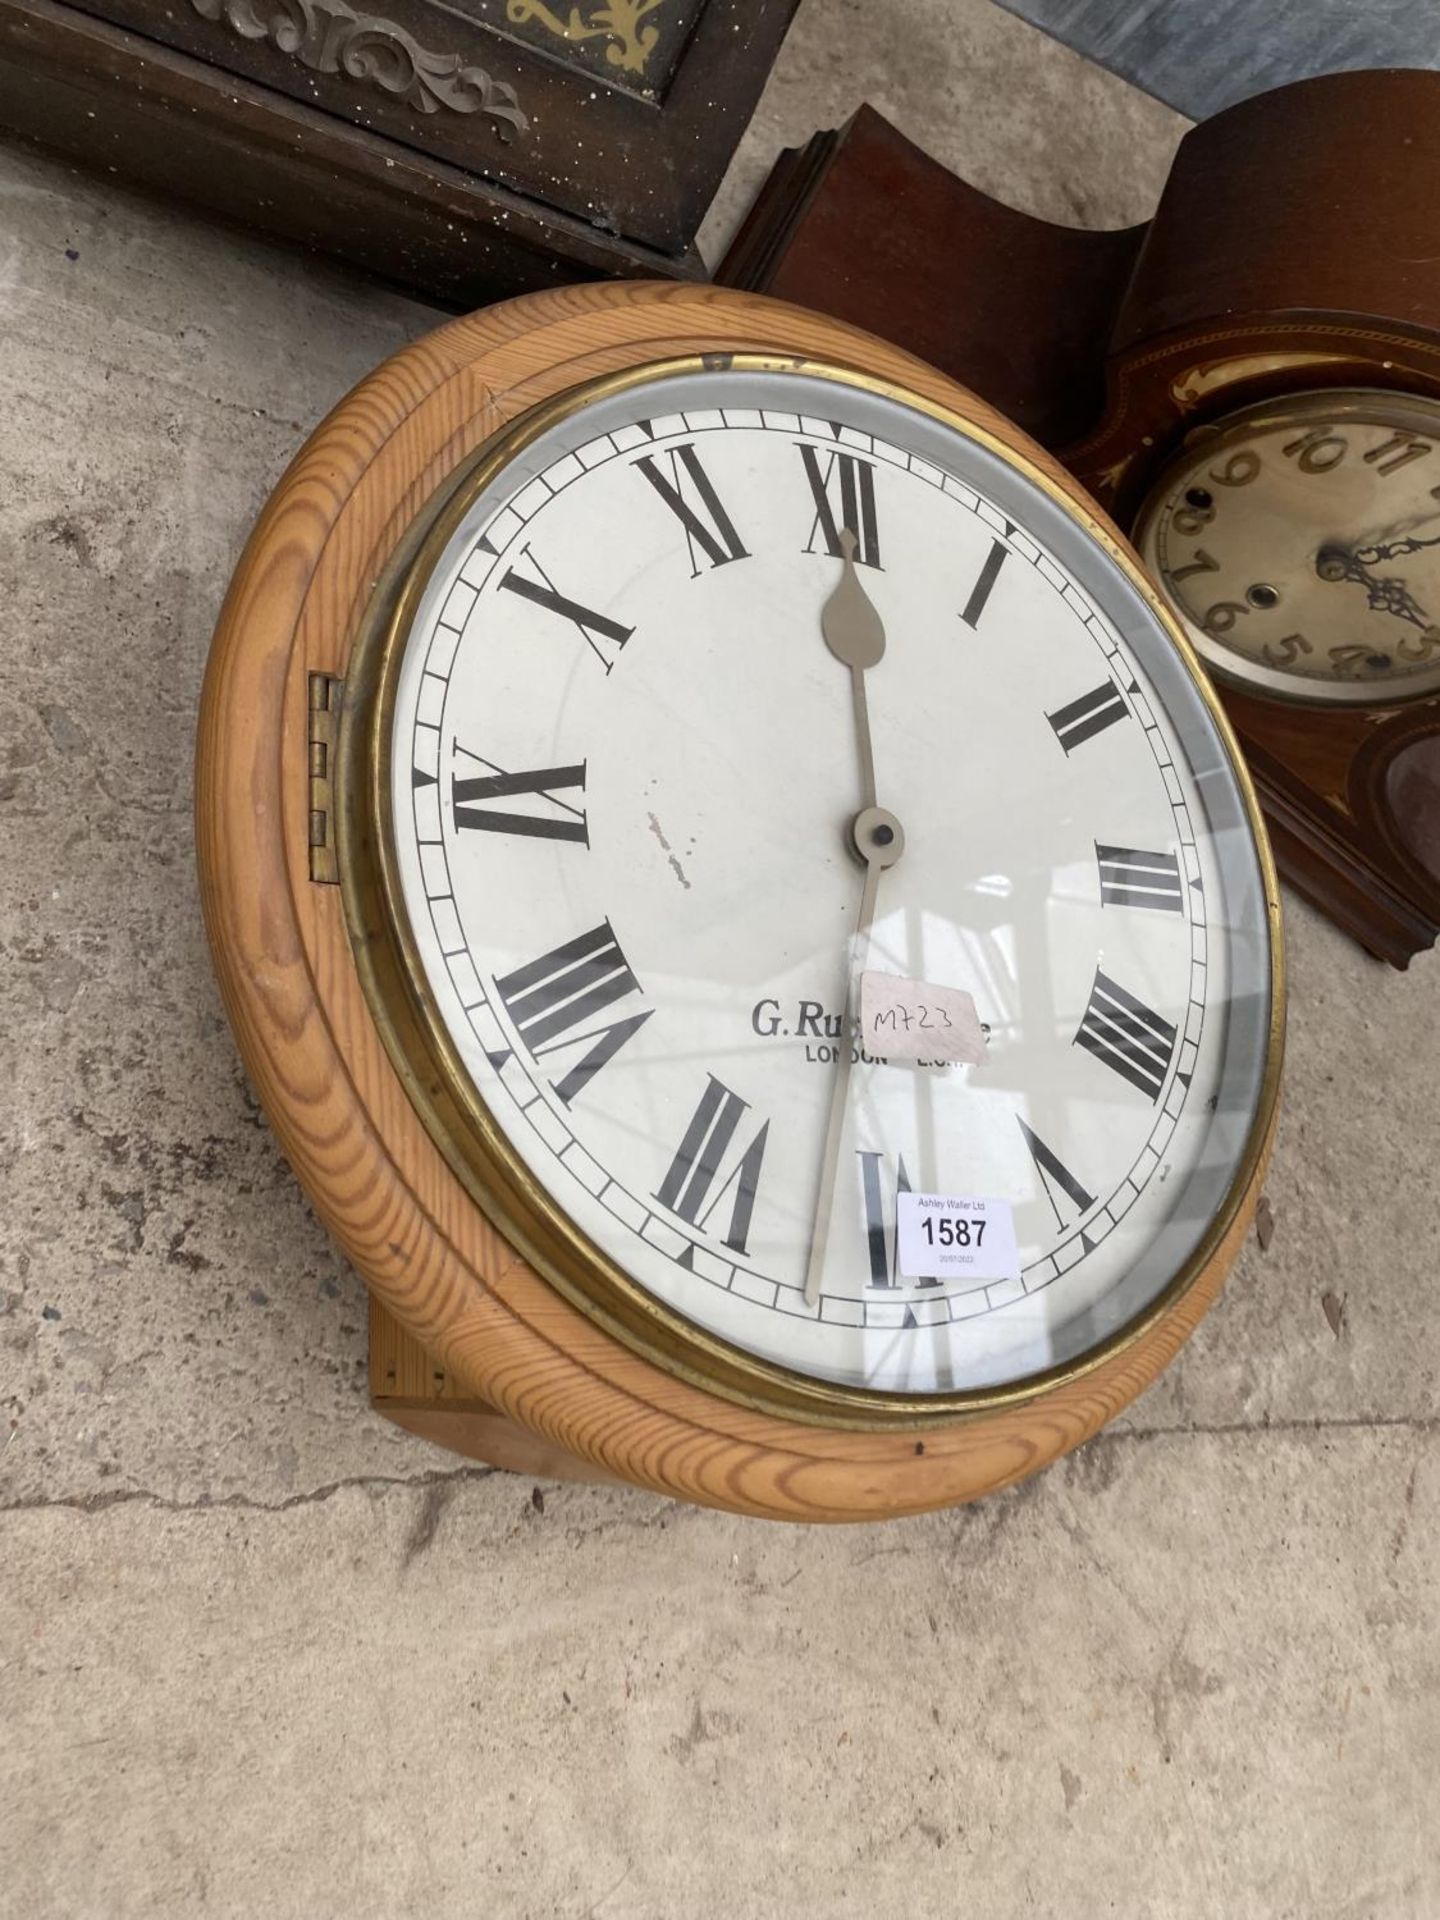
709 530
595 627
693 1173
883 1261
1054 1173
1129 1037
982 588
1088 715
1130 877
469 794
553 1000
853 481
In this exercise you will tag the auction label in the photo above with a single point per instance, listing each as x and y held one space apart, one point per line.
948 1236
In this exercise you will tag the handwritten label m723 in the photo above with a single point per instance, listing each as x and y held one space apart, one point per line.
907 1020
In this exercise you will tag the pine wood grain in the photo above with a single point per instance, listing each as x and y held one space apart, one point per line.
300 1017
410 1387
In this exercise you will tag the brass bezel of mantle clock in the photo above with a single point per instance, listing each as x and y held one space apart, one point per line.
457 1118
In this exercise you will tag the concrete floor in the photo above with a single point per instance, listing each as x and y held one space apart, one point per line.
260 1653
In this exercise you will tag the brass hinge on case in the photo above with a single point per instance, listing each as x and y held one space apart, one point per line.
325 690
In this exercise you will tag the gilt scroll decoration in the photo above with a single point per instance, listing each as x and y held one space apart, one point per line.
628 44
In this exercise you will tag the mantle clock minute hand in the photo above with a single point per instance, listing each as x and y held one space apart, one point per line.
1383 595
1376 555
855 634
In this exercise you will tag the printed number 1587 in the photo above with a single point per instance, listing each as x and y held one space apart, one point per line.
946 1232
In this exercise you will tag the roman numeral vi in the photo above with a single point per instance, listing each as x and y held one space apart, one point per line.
883 1261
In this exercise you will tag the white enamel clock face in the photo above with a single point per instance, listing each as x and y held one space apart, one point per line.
624 770
1300 544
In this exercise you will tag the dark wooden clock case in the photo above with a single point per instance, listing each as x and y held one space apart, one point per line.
1294 248
461 148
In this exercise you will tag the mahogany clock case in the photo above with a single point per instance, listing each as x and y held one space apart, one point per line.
554 1382
1327 278
1293 250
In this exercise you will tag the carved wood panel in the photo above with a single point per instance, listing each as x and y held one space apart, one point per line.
329 37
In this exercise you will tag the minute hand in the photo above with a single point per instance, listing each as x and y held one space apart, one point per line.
879 841
1383 594
1376 555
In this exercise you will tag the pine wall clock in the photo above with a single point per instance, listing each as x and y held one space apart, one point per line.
739 904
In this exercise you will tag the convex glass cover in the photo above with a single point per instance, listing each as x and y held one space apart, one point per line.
702 694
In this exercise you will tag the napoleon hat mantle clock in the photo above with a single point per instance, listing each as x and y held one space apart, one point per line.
624 687
1251 383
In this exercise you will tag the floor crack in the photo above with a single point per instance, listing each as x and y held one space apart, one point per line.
455 1476
1360 1422
240 1502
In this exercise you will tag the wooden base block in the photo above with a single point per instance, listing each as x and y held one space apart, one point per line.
411 1388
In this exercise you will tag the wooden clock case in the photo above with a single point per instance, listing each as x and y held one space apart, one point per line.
1293 249
462 149
529 1381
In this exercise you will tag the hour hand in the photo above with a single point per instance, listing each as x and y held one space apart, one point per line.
855 634
849 620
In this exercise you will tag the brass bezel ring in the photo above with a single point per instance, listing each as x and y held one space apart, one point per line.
428 1065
